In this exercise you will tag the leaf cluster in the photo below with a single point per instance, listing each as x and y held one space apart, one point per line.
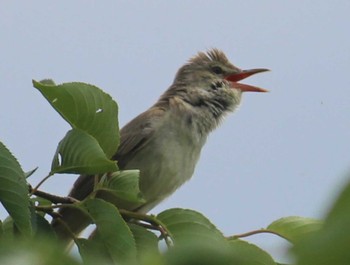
175 236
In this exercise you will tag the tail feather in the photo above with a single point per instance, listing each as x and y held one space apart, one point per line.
72 221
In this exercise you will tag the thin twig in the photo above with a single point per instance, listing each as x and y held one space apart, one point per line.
47 210
40 183
145 225
154 224
52 198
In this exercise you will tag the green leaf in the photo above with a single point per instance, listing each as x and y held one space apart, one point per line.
47 82
34 251
188 226
249 254
205 253
293 228
146 241
125 184
85 107
329 245
42 227
14 191
111 229
341 207
8 229
29 173
92 251
80 153
122 189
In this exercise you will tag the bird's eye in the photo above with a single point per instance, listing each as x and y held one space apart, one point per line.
217 70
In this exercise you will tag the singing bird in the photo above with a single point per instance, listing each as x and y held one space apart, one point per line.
165 141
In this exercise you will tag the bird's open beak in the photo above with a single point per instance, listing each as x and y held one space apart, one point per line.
234 78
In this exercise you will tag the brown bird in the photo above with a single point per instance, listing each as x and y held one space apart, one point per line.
165 141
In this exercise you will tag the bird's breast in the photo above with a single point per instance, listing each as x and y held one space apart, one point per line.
168 160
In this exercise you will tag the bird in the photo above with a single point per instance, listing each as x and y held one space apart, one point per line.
166 140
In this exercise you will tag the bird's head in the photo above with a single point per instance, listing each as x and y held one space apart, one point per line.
209 80
207 87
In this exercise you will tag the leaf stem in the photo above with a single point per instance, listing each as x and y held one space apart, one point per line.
154 224
40 183
255 232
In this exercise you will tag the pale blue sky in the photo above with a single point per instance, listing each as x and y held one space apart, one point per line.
282 153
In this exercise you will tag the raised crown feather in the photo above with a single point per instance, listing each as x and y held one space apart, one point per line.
209 56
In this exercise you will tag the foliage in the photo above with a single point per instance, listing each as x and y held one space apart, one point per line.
174 236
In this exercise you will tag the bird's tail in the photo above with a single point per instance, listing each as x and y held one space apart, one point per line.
72 221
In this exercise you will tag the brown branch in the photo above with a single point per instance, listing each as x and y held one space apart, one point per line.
51 197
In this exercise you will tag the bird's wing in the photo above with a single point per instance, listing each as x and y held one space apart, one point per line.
136 134
133 136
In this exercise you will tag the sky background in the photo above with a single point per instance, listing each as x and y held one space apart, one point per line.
282 153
